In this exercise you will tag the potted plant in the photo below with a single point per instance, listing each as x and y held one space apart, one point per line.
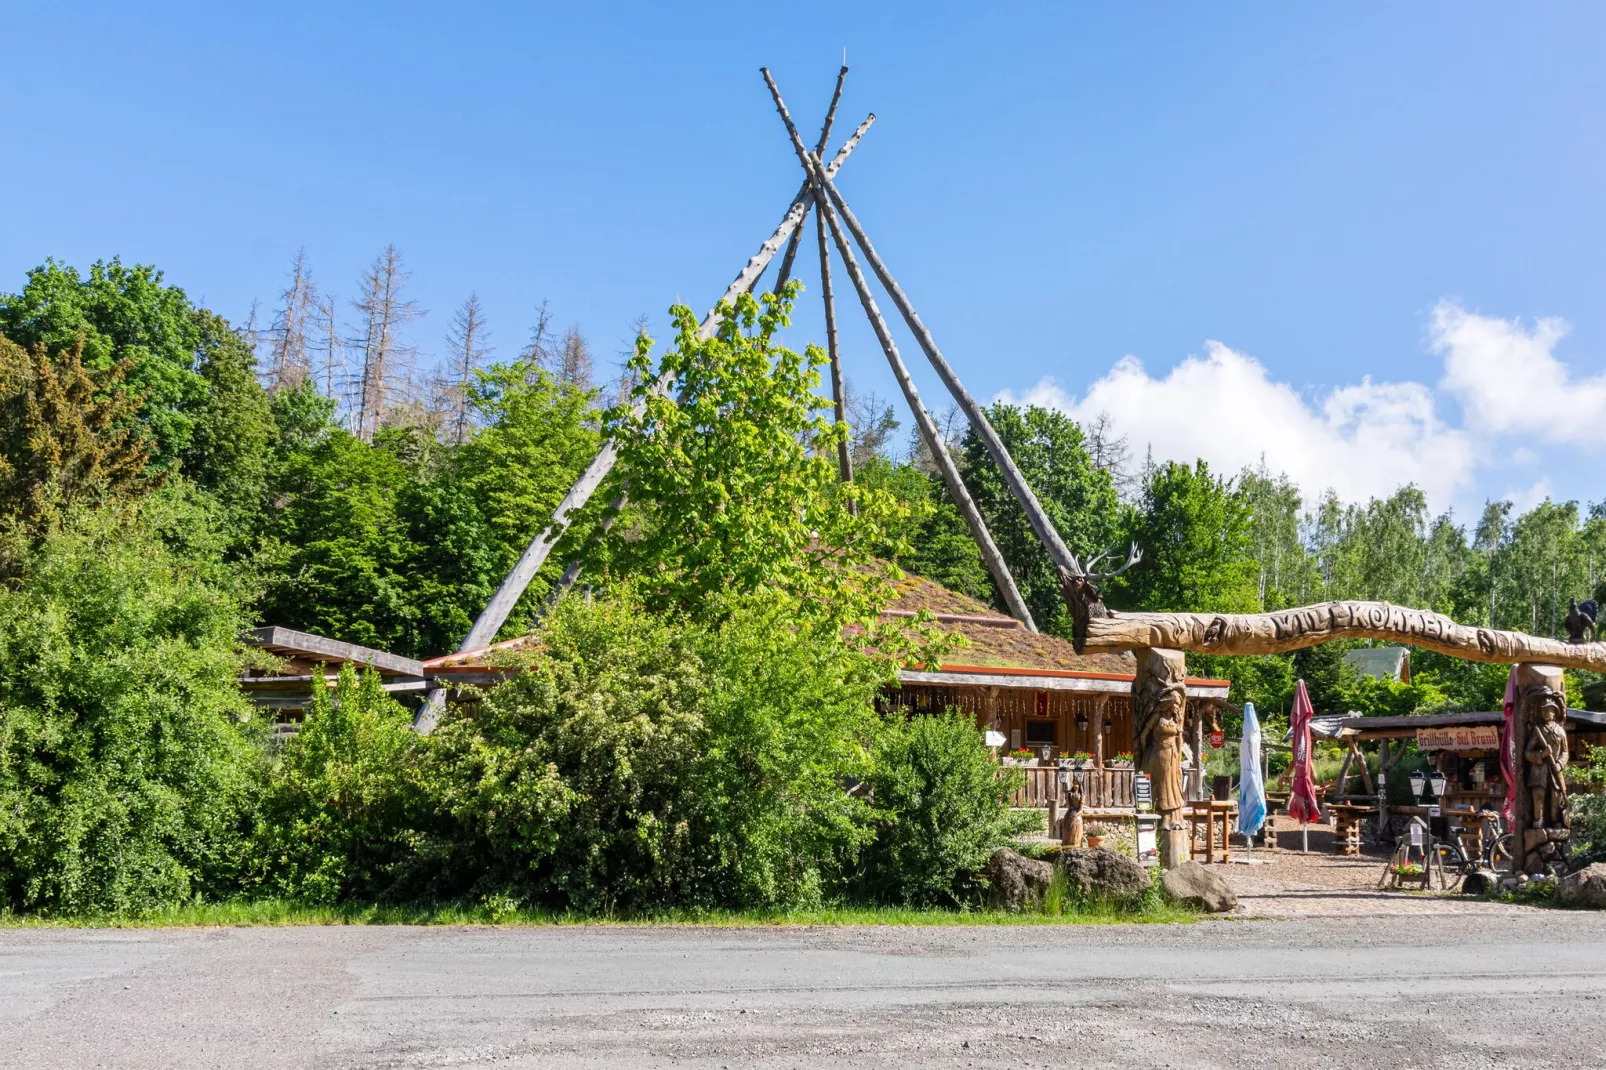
1095 835
1122 760
1081 760
1019 756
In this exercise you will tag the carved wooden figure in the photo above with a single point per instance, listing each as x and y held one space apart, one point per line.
1071 829
1539 724
1159 702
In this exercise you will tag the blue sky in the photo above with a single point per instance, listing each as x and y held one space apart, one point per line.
1366 242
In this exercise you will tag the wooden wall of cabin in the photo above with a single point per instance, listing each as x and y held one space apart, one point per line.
1028 717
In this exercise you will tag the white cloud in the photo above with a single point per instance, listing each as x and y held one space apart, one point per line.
1523 499
1508 379
1518 402
1362 440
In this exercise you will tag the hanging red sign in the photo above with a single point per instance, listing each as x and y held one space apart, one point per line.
1218 740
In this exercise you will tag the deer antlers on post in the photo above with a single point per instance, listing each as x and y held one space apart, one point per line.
1082 595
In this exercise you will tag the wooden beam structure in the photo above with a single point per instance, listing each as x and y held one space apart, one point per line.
979 423
991 557
1295 629
819 151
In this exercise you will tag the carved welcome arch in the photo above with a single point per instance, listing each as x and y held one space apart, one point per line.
1295 629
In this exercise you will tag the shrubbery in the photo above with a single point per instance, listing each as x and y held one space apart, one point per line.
639 762
942 807
128 757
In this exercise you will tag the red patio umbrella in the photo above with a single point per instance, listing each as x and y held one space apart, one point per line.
1508 750
1302 805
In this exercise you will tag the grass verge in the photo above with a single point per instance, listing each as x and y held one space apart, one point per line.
1057 909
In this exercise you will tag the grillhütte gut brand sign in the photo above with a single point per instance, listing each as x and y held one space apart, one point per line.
1470 737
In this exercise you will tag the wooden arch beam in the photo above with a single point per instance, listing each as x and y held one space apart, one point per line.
1295 629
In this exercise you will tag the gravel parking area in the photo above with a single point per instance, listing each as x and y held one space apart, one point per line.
1290 883
1423 992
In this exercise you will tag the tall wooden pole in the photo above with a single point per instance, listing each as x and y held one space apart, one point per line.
844 452
928 428
978 421
819 151
496 612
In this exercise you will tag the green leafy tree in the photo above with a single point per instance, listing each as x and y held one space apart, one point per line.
128 757
184 363
1080 500
66 435
932 540
1195 533
736 477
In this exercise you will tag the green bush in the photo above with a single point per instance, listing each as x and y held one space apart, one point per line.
128 758
341 812
942 807
645 762
1588 814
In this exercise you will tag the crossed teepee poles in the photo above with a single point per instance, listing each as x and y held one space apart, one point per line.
820 193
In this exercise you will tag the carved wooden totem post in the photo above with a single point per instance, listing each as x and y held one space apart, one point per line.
1538 724
1159 699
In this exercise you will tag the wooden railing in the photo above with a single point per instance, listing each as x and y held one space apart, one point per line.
1101 788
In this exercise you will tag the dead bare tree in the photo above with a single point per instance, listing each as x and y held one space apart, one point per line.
571 362
871 420
289 356
331 369
539 351
1110 452
467 345
387 361
626 380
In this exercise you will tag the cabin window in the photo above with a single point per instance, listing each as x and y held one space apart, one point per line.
1042 732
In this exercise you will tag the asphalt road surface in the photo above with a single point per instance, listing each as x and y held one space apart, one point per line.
1471 991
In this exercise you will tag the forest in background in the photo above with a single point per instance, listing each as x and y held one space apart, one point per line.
375 493
682 735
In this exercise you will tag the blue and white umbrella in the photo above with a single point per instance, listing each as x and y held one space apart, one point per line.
1251 786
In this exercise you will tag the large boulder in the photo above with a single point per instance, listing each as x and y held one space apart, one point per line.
1102 874
1585 888
1199 886
1016 882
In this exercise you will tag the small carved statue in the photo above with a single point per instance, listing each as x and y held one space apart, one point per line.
1071 827
1581 620
1545 752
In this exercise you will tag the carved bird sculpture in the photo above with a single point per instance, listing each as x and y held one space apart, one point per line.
1580 620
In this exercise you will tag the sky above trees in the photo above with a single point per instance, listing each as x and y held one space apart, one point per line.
1362 243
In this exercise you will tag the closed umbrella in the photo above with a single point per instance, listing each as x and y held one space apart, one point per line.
1251 785
1508 751
1302 805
